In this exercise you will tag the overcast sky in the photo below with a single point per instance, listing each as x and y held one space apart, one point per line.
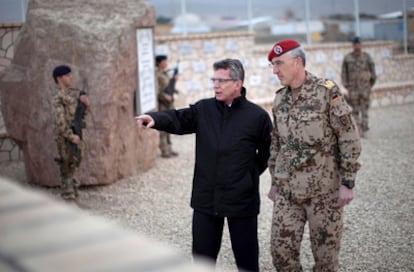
276 8
10 10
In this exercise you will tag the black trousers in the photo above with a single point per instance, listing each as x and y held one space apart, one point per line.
208 231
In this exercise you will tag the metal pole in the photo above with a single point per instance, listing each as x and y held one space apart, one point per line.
307 15
184 16
405 28
22 11
250 14
356 14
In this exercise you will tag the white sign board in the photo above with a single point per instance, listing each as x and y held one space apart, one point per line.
145 97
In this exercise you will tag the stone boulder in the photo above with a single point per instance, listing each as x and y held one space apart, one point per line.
97 38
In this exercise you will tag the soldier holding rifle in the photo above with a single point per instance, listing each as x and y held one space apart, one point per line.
70 106
166 90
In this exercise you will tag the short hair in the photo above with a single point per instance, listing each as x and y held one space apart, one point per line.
234 65
298 52
160 58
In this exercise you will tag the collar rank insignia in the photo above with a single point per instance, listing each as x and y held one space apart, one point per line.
329 84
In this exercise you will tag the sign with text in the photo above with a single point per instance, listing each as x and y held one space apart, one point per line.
145 96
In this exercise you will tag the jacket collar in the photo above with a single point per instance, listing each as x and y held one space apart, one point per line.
238 100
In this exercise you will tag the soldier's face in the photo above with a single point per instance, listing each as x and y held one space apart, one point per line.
285 68
65 81
163 64
357 47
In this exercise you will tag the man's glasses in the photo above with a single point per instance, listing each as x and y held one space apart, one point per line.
220 80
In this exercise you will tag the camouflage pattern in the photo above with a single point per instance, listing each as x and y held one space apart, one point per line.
325 226
315 144
64 104
358 76
163 79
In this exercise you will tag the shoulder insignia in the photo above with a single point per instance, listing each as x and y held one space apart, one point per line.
329 84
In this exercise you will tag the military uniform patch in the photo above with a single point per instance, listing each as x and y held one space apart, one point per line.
329 84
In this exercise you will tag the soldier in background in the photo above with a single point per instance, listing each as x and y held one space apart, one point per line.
358 77
64 104
313 161
165 102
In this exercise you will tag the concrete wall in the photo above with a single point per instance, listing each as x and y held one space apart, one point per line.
197 53
8 36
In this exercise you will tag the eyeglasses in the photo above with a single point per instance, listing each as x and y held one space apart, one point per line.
221 80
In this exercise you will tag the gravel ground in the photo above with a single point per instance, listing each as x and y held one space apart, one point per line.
379 223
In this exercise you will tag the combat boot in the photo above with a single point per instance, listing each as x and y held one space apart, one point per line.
68 196
165 155
173 154
76 186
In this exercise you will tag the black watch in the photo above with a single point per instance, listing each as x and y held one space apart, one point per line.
348 183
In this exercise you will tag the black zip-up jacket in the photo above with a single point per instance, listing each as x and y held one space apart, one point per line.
232 149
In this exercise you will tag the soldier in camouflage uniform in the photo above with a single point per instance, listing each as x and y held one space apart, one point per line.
358 77
313 161
165 102
64 104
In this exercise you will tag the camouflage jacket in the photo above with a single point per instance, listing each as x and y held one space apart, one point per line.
358 73
163 79
315 143
64 107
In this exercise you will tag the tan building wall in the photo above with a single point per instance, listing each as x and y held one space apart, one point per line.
197 53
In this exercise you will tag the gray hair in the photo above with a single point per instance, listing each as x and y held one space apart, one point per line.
235 66
298 52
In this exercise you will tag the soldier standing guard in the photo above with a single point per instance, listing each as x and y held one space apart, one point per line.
313 161
358 77
65 103
165 102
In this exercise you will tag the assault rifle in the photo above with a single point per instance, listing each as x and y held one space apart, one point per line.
78 123
171 85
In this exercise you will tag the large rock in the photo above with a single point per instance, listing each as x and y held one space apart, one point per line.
97 38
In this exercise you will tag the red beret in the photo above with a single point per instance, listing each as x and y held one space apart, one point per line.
281 47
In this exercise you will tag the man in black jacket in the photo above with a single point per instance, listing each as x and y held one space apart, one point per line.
232 149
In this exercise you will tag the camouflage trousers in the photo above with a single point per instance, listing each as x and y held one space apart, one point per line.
325 222
165 143
68 163
360 106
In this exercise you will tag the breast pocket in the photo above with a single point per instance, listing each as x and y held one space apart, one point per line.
310 127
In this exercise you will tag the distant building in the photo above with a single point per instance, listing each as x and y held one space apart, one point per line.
189 23
298 28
